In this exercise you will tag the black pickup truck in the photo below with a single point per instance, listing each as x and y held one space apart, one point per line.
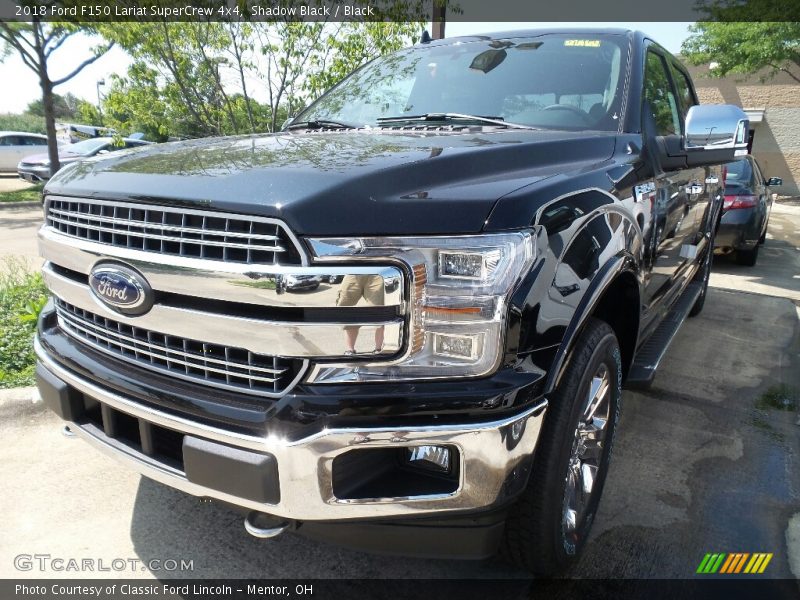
404 322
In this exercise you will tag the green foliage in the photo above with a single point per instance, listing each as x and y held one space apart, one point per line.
745 47
29 123
22 297
88 114
175 85
65 107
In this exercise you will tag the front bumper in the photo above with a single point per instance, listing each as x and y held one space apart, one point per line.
33 173
295 478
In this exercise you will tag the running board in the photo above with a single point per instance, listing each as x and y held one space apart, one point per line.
644 366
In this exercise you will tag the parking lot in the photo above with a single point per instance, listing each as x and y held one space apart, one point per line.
706 461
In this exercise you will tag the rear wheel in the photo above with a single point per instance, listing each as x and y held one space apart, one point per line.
747 258
548 526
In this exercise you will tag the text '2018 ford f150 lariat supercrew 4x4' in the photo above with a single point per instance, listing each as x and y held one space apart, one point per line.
404 322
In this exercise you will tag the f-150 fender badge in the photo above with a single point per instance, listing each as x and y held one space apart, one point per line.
121 288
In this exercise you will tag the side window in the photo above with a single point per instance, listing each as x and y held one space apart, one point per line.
684 91
11 140
5 140
32 141
658 93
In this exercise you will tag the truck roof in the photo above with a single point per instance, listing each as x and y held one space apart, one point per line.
517 33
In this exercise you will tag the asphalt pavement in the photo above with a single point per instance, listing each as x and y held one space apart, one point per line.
706 461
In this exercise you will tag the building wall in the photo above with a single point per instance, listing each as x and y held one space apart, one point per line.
776 145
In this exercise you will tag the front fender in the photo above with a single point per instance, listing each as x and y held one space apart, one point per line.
591 239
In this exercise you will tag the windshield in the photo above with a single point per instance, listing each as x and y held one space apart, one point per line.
549 81
86 147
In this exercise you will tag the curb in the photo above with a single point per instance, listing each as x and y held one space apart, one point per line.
10 205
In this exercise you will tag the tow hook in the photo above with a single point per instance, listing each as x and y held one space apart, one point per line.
262 525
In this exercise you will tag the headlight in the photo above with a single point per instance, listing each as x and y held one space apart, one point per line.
457 301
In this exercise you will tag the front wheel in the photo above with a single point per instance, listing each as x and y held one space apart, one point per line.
548 526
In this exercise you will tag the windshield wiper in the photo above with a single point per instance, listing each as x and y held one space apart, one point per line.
448 116
320 124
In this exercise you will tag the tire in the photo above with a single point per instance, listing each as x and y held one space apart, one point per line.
541 534
763 239
747 258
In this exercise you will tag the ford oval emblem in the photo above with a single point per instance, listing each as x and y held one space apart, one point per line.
121 288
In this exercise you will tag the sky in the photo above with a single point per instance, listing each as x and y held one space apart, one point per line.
20 85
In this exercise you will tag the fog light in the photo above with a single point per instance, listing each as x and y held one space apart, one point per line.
436 458
456 346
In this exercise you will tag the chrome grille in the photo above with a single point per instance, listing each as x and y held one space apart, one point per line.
210 364
170 230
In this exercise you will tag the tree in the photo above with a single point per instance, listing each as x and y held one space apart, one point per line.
745 46
177 77
35 43
64 107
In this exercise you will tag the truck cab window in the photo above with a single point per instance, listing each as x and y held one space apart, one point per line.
658 94
684 92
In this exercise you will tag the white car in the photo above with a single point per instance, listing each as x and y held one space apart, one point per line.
14 145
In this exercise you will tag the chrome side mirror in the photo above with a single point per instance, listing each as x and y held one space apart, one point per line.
717 127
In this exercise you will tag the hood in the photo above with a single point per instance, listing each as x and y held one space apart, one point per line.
341 183
44 159
36 159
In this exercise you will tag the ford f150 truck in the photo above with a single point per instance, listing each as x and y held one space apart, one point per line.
404 322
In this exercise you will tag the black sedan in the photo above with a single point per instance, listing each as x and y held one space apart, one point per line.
745 211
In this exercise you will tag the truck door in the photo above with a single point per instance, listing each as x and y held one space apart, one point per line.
673 207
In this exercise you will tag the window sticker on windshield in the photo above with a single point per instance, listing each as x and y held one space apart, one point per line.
583 43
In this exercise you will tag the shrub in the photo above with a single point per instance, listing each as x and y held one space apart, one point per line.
26 122
22 297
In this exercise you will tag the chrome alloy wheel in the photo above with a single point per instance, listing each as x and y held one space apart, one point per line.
587 451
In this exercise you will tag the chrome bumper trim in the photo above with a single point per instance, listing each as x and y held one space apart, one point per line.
489 453
219 280
273 338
